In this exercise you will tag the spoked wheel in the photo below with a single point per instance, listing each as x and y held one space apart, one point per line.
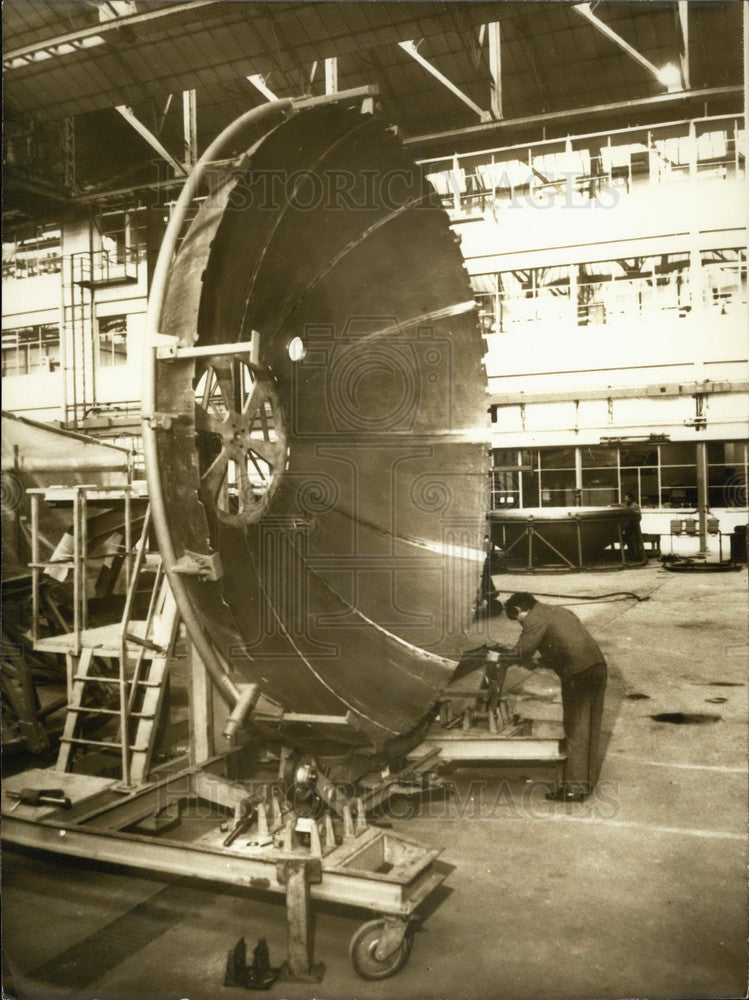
364 948
241 438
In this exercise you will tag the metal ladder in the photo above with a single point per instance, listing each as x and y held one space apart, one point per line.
142 650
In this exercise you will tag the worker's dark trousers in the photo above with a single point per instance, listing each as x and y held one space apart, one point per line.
582 704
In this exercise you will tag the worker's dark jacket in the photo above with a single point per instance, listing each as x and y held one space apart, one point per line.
561 638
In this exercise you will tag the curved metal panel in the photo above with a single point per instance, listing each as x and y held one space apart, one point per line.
338 468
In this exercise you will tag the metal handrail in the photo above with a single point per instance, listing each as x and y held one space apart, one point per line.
146 629
125 621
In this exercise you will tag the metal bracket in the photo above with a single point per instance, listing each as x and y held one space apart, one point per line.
205 565
172 352
390 940
165 421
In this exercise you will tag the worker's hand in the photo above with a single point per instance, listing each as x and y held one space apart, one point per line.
490 675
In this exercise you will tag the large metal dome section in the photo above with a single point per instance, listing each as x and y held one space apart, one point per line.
331 467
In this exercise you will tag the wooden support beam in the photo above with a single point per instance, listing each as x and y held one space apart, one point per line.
257 81
331 75
296 875
190 127
495 66
587 13
683 18
412 50
153 142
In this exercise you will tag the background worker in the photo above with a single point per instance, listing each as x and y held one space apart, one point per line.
632 534
569 649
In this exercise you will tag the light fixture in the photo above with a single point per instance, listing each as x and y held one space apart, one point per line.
296 349
670 76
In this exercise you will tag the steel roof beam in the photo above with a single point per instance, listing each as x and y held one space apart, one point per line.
411 49
77 39
573 113
584 9
258 82
153 142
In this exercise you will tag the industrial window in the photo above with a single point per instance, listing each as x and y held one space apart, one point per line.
601 292
727 473
657 475
724 278
31 349
506 473
620 289
600 476
573 171
123 234
639 473
112 340
33 255
557 478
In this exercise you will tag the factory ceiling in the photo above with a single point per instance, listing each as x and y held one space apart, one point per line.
461 68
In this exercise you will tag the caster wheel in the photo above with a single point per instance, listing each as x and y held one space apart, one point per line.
364 945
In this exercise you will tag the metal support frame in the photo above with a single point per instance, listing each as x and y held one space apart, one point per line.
411 48
587 13
661 390
573 114
153 142
68 149
366 867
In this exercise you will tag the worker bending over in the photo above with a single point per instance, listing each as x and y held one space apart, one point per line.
568 648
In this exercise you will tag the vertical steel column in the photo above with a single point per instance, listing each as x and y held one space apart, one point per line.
202 742
76 573
128 537
621 540
74 348
34 567
579 472
68 149
83 512
702 496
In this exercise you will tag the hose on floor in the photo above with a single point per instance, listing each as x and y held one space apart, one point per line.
618 594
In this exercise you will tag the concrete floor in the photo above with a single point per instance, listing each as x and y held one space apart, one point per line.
639 892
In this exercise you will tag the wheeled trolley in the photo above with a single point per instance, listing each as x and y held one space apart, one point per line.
258 841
